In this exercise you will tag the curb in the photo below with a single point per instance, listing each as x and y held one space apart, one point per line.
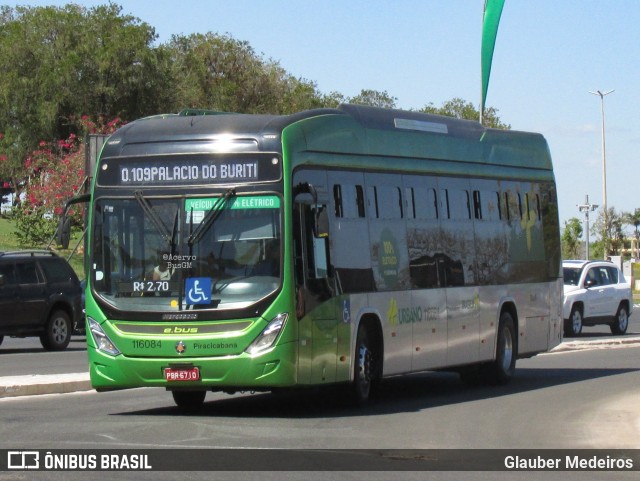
581 345
13 386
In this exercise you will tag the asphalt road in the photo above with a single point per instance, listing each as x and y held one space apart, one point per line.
26 356
568 400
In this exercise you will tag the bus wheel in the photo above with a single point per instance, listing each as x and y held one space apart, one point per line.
364 369
502 369
189 400
58 332
621 322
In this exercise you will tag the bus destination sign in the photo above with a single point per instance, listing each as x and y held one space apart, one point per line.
189 170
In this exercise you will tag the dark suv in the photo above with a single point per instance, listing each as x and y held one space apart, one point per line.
40 295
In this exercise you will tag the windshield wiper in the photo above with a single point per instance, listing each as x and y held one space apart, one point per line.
168 237
210 217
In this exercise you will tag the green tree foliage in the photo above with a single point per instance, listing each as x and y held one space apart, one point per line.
33 227
460 109
333 99
56 173
374 98
571 236
221 73
608 226
60 63
633 220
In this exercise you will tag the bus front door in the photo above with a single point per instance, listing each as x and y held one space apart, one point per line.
315 306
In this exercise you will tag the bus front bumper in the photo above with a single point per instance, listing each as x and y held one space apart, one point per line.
275 368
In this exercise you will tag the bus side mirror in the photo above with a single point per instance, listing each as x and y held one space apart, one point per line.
2 280
321 228
63 232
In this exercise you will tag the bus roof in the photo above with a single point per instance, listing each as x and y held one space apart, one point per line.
414 142
396 138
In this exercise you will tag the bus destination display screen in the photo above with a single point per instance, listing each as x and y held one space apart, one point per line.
196 169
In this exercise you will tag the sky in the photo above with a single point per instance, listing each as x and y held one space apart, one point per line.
549 56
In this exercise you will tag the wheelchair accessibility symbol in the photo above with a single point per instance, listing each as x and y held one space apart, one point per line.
198 290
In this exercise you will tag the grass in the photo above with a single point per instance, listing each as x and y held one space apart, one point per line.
9 242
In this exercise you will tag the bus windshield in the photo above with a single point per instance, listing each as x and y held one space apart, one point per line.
180 253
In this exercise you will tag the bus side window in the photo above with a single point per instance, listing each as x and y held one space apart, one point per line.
337 200
507 207
372 196
360 201
444 200
426 205
389 202
349 201
410 202
477 205
520 206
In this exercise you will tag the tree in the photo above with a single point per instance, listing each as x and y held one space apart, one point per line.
571 236
460 109
608 226
221 73
56 173
333 99
60 63
374 98
634 221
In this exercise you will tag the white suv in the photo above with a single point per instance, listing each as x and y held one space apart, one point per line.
595 292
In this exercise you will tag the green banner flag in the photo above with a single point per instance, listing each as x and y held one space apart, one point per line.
491 19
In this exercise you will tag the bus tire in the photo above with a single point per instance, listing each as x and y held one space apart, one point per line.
501 370
364 367
57 332
621 321
189 400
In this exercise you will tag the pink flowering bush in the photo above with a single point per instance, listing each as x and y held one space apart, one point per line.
55 173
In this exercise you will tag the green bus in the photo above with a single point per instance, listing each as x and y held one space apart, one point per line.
232 252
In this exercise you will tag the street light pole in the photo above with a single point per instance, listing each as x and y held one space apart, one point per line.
602 94
586 208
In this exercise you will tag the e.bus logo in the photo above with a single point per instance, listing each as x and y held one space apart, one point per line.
23 460
180 330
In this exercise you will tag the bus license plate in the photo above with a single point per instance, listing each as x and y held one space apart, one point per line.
191 374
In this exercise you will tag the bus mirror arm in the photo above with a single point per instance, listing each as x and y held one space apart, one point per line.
78 199
305 188
62 235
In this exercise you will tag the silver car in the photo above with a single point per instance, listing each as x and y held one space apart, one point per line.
595 292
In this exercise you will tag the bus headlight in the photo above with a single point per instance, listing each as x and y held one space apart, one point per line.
268 336
102 341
